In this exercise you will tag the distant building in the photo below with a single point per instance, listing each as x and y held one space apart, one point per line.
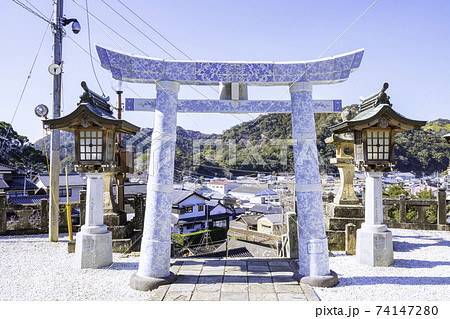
75 181
222 187
258 194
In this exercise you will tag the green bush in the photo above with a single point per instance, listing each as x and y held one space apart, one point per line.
411 213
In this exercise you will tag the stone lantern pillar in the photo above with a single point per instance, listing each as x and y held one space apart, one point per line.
346 208
93 247
345 164
374 128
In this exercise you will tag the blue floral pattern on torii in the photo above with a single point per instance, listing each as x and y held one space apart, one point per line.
169 75
137 69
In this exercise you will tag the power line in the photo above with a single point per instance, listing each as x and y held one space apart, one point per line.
90 49
26 84
32 11
137 29
146 23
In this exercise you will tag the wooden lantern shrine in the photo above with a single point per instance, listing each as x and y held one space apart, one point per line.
374 128
95 129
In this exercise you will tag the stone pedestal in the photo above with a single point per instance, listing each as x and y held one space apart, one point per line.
93 247
374 241
336 218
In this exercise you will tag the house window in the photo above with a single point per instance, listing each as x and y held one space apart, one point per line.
188 209
377 145
200 207
15 194
62 192
220 223
91 143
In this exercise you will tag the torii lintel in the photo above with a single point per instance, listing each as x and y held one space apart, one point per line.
138 69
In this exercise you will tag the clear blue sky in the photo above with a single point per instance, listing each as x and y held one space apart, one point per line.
406 43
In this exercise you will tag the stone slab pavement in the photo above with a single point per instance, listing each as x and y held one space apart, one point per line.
244 279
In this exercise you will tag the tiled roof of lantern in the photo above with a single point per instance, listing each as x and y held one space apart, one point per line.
373 110
95 108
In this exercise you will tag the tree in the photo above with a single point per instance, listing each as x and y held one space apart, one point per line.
394 191
431 213
17 151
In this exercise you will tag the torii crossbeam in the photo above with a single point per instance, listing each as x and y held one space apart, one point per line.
154 264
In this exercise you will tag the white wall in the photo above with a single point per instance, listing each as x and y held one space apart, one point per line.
193 201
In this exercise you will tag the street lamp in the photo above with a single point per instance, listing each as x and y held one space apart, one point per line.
94 128
374 128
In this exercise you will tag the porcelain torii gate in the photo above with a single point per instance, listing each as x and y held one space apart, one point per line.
154 264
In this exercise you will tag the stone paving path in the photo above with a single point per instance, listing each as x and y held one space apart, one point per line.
234 280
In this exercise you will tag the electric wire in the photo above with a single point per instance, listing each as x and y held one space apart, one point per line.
156 31
137 29
162 36
194 88
90 49
25 86
32 11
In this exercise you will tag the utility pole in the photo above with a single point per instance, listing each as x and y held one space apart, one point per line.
55 134
118 87
56 70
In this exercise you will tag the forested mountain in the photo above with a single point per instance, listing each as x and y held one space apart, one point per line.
425 150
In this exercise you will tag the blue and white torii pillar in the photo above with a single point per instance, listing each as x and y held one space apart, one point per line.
300 77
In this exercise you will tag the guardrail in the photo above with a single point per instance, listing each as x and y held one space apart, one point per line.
418 211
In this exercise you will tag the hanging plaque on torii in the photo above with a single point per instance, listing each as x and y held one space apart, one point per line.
234 77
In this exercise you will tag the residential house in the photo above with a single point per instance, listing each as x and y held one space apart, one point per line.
270 224
247 221
75 181
192 211
13 184
264 209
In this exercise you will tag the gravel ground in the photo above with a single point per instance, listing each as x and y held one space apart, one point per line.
421 271
32 268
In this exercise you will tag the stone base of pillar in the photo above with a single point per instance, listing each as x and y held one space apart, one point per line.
374 246
93 247
330 280
150 283
336 217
